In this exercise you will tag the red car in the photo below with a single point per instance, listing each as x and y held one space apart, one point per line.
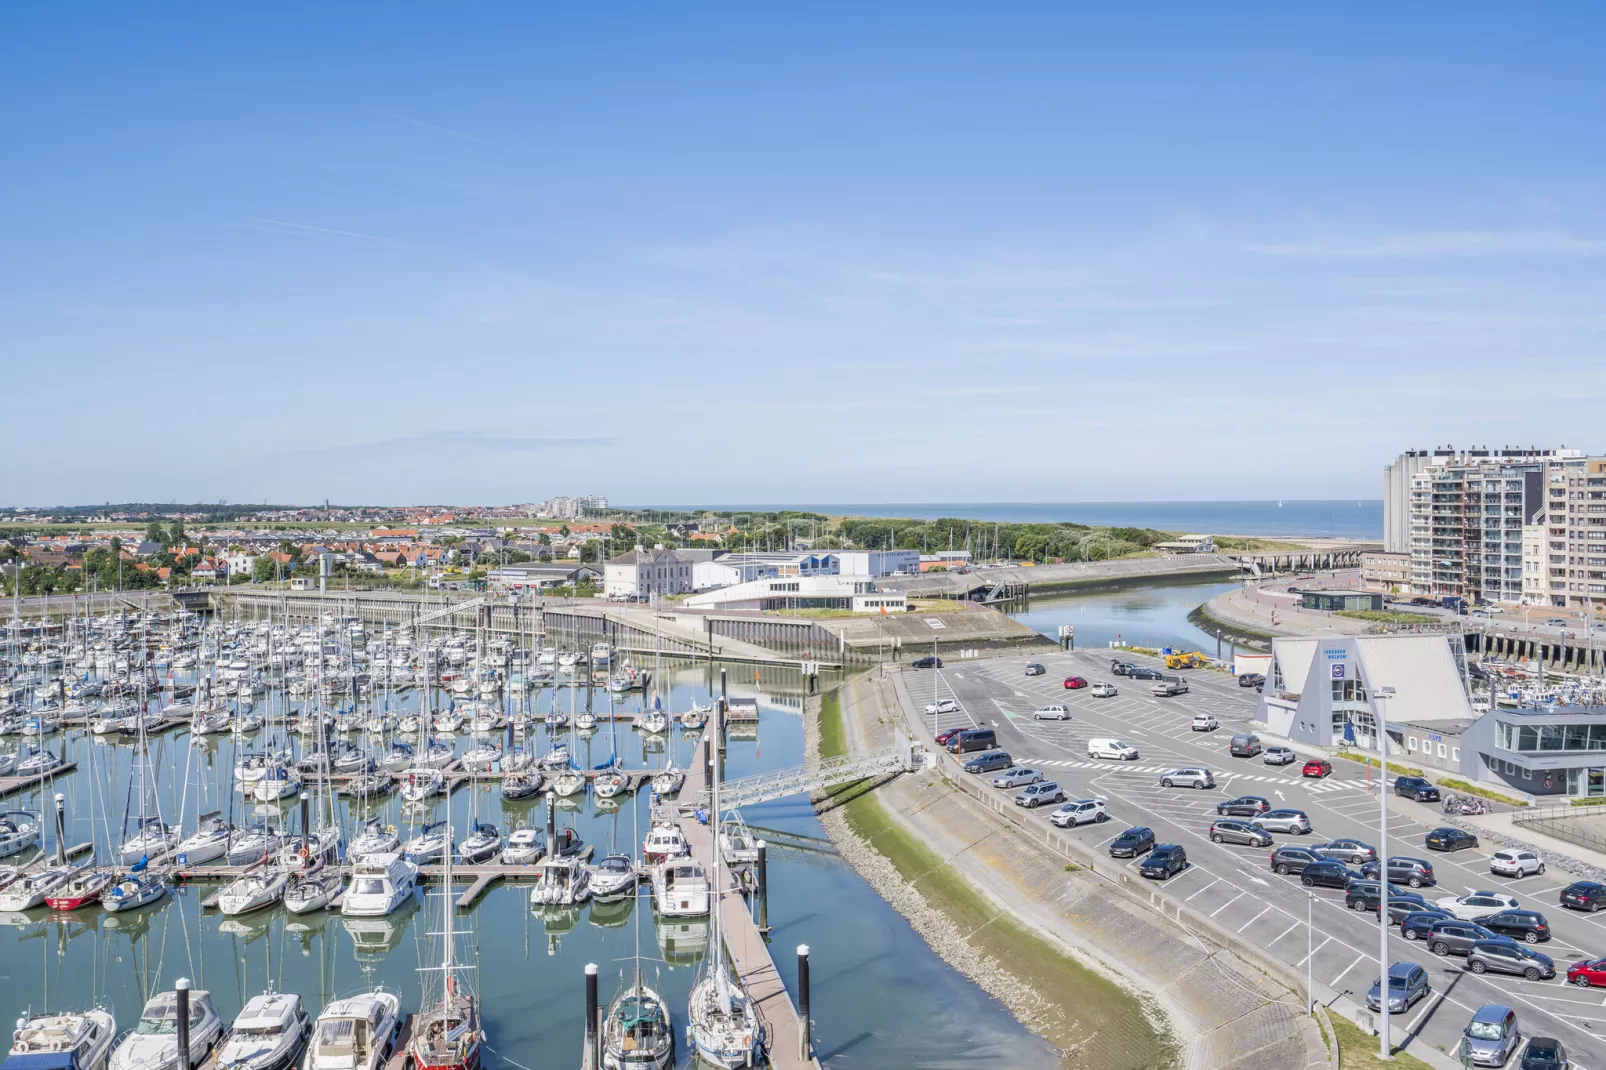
1588 973
1073 683
1317 767
944 736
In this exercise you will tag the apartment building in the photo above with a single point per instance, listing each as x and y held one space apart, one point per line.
1399 477
1466 523
1574 523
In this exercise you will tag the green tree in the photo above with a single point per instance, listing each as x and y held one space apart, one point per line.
175 533
153 531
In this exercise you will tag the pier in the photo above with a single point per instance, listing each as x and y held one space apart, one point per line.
10 785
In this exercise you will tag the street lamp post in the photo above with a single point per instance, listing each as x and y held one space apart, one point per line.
1382 699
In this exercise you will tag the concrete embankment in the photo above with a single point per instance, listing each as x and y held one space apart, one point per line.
1104 975
1078 576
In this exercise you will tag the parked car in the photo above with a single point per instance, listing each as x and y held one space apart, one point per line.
930 661
1114 749
1204 722
1133 842
1169 688
1419 923
1017 776
1515 862
1317 767
1415 872
1051 712
1279 756
1587 973
1584 895
946 734
1122 668
1544 1053
1243 806
1034 669
1555 622
1415 787
1477 905
1233 830
988 761
1251 679
1449 839
1244 745
1143 672
969 739
1103 689
1080 812
1529 926
1363 895
946 705
1327 873
1036 795
1347 849
1456 937
1288 859
1165 861
1408 983
1191 777
1507 956
1075 683
1492 1035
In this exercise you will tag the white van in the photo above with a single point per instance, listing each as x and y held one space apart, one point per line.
1112 748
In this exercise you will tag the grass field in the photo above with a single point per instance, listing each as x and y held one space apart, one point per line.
1357 1050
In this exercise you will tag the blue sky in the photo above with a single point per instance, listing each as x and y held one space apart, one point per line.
896 252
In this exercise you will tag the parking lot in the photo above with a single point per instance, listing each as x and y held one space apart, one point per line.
1235 885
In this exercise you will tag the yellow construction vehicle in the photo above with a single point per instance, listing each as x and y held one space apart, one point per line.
1186 659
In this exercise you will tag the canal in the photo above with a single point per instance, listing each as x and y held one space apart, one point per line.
1151 616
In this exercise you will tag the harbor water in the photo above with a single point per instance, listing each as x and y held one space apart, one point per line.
1148 615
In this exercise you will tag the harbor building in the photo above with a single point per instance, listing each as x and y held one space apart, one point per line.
1386 573
642 572
874 564
852 593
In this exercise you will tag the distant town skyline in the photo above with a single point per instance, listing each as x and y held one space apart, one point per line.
824 254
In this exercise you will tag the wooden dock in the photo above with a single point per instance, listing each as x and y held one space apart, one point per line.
10 785
749 953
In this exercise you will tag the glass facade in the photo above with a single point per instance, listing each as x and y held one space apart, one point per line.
1550 738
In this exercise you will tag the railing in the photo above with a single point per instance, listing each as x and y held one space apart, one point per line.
812 776
1569 823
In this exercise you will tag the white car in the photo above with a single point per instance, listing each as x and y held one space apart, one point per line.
1051 713
1475 906
1514 862
947 705
1204 722
1079 812
1016 777
1103 689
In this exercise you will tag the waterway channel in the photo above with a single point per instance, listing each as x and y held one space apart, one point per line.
1151 616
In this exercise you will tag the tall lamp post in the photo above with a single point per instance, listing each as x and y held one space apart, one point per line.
1382 697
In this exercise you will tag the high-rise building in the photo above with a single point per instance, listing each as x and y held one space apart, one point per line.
1466 517
1574 520
1398 477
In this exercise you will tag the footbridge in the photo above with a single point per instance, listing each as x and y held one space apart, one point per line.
901 757
1317 560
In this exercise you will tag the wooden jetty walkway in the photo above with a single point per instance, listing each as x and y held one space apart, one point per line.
10 785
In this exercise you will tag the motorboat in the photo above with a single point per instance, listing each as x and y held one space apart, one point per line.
354 1033
252 843
86 1035
561 882
637 1032
85 886
19 830
680 888
480 844
137 889
376 838
566 843
154 1042
524 847
31 891
516 786
664 841
601 653
250 892
429 845
153 841
268 1034
608 784
379 885
737 845
210 841
613 878
312 889
422 783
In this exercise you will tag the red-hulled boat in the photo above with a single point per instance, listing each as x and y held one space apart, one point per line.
81 891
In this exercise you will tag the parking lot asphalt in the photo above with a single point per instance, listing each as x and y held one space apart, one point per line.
1235 885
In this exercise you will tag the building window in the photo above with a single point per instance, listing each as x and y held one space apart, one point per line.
1455 754
1527 774
1441 750
1410 743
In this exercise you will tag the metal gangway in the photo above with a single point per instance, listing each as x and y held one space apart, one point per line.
901 757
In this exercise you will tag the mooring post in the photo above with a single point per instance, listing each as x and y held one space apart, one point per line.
761 872
61 829
551 824
306 829
181 991
803 1001
592 1060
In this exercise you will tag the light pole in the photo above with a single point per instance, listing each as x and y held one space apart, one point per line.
1310 952
1381 703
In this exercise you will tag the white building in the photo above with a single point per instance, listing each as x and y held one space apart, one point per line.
874 564
802 592
644 572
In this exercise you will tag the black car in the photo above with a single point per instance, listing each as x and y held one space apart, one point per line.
1250 679
1143 672
1419 923
1122 668
1362 895
1346 850
1544 1053
1327 874
1416 872
1449 839
1528 926
1286 860
1456 937
1584 895
1166 860
930 661
1244 806
1415 787
1035 669
1133 842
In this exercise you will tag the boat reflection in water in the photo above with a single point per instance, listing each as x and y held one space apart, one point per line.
682 941
558 922
373 938
612 915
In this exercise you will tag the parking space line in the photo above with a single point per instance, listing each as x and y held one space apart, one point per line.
1318 947
1284 933
1228 903
1358 960
1216 881
1254 919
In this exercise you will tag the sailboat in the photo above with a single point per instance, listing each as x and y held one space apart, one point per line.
724 1028
637 1031
447 1034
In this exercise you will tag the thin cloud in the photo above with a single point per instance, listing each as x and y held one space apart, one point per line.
1466 243
447 443
284 227
431 126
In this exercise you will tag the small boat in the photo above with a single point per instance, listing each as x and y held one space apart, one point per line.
252 843
653 723
210 841
556 758
268 1034
524 847
154 1042
86 1035
680 888
137 889
664 841
518 786
278 782
86 886
38 763
429 845
669 781
638 1033
376 838
568 783
613 878
480 844
562 882
253 891
422 783
379 885
355 1033
32 890
312 889
19 830
154 841
609 784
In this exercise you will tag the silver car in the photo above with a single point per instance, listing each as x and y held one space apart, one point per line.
1278 756
1492 1035
1016 777
1294 821
1408 983
1192 777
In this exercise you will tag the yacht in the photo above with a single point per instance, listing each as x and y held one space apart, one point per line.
268 1034
211 840
429 845
482 842
30 891
614 878
680 888
379 885
138 889
88 1035
154 1042
376 838
524 847
86 886
312 889
354 1033
562 882
664 841
19 830
257 890
153 842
